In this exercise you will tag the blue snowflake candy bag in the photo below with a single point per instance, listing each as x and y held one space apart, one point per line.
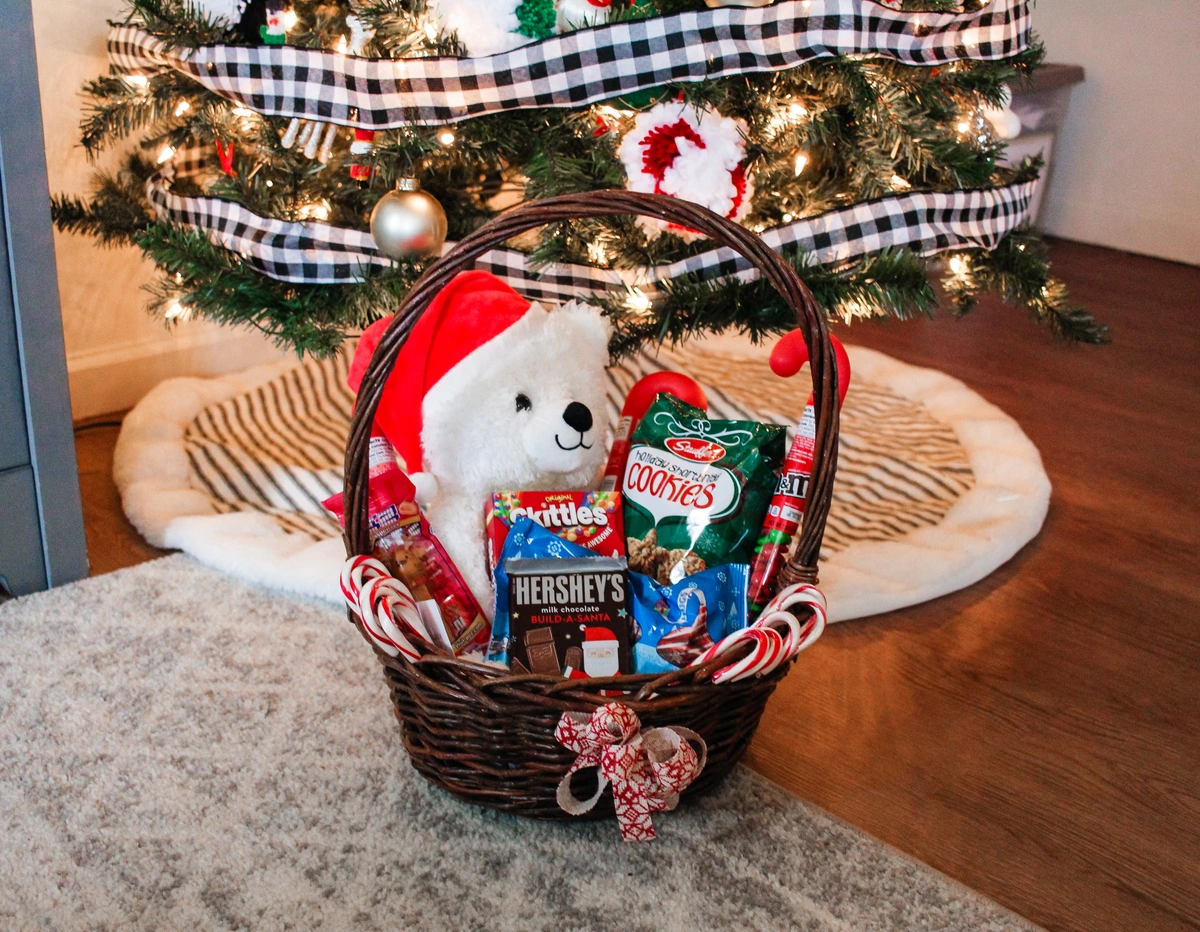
675 624
526 539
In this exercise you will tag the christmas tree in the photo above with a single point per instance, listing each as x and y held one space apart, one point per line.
863 140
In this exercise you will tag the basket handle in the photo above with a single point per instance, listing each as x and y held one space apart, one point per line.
802 567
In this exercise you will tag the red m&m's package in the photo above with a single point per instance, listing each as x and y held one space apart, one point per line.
589 519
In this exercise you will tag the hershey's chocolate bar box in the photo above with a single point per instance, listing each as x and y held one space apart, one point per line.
569 617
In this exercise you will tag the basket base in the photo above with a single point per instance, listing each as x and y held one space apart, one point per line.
505 757
583 785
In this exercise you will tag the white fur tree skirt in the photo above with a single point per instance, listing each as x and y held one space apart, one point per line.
936 487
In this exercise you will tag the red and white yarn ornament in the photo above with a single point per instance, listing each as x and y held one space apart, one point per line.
579 14
692 153
485 27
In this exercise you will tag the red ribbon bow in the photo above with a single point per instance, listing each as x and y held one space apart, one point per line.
648 770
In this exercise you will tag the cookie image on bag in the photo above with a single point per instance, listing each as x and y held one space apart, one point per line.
645 556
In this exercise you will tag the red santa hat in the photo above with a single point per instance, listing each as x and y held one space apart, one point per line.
473 309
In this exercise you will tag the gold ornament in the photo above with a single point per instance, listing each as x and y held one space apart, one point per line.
408 223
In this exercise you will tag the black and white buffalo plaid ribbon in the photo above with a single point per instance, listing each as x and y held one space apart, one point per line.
314 253
577 68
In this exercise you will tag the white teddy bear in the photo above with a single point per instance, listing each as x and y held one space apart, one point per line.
491 392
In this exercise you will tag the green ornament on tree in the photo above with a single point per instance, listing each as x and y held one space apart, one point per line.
537 18
641 100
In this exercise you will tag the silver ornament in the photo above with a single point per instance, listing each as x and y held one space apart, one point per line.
408 223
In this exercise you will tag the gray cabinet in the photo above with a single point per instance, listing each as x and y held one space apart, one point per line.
14 438
41 522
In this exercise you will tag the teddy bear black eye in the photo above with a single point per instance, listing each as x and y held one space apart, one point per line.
523 402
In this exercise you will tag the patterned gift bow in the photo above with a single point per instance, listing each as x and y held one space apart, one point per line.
771 647
648 770
385 606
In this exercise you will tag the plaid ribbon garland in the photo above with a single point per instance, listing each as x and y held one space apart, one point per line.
313 253
577 68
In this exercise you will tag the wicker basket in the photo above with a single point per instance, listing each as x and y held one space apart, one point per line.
487 736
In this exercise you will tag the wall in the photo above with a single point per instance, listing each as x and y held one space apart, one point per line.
116 352
1126 171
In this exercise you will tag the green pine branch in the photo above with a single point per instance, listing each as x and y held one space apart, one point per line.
180 24
1018 271
117 107
213 283
892 283
116 214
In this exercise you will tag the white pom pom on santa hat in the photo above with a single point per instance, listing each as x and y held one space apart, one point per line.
692 153
472 310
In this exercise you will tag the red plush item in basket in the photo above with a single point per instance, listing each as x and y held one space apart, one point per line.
402 540
589 519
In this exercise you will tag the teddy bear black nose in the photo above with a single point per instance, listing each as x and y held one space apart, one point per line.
578 417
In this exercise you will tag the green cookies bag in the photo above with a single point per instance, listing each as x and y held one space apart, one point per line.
696 490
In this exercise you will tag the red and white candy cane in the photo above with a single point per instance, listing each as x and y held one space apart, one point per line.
767 654
772 646
389 613
385 606
355 572
779 611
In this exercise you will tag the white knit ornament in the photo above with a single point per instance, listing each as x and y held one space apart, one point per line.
697 155
577 14
229 10
485 27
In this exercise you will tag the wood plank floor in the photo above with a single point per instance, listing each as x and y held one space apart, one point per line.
1036 736
112 542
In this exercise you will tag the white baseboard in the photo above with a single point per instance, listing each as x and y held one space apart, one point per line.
115 379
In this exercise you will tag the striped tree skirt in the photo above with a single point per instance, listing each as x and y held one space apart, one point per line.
935 489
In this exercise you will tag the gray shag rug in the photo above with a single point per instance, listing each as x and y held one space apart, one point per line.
182 751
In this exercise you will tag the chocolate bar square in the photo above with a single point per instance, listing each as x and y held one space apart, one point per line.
541 652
